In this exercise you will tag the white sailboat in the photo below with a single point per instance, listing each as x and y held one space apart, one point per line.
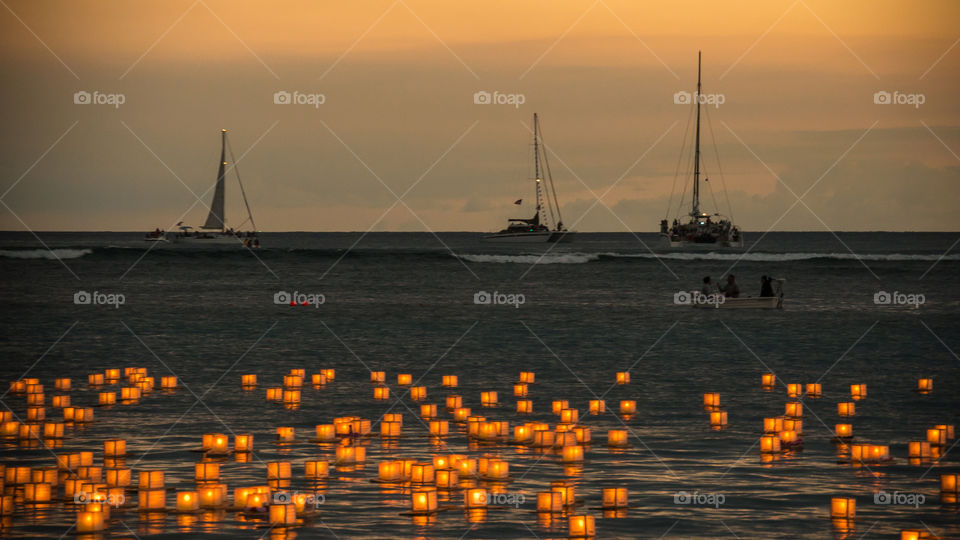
214 232
537 229
702 229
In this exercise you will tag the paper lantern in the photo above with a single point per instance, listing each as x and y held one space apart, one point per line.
814 390
858 391
212 496
446 479
118 477
528 377
597 406
843 431
326 432
316 469
461 414
615 497
279 470
919 449
46 475
711 400
718 419
106 398
10 428
520 390
617 437
925 385
913 534
788 437
378 376
572 454
291 397
36 399
937 437
90 522
488 399
843 507
283 514
564 438
582 434
152 499
130 393
793 409
151 480
285 434
558 405
428 410
381 393
524 406
329 373
543 438
439 428
794 390
256 500
292 381
242 442
846 409
146 384
60 402
422 473
450 381
206 472
349 455
946 428
248 380
454 401
95 379
767 380
522 434
318 379
404 379
89 472
38 414
582 526
390 429
418 393
793 424
188 501
112 374
628 407
390 471
550 501
870 453
475 498
6 505
769 444
497 469
623 377
424 500
441 462
29 431
569 416
950 483
36 493
62 384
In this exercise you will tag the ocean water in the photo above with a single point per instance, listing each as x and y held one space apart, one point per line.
405 303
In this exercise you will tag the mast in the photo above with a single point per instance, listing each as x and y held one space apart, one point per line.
696 162
536 161
215 219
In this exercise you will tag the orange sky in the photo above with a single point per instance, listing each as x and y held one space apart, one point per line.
798 79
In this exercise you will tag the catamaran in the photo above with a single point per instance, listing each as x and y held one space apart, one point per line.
701 228
537 229
214 232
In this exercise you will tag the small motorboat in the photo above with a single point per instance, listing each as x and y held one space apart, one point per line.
746 302
156 236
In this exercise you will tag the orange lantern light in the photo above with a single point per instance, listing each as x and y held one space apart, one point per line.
617 437
615 497
582 526
249 380
62 384
794 390
428 410
520 390
378 376
628 407
381 393
925 385
283 514
114 448
843 507
316 469
475 498
718 419
767 380
404 379
550 501
450 381
106 398
188 501
206 472
858 391
90 522
243 442
528 377
424 500
439 428
843 431
769 444
279 470
919 449
524 406
418 393
454 401
846 409
793 409
814 390
597 406
623 377
488 399
326 432
950 483
285 434
711 400
390 429
572 454
461 414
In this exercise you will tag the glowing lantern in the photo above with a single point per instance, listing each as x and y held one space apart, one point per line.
212 496
524 406
558 405
446 479
348 455
38 414
925 385
543 438
582 526
947 428
528 377
522 434
422 473
520 390
378 376
299 372
314 470
390 471
597 406
569 416
35 399
718 419
418 393
919 449
912 534
769 444
461 414
326 432
61 384
249 380
711 400
950 483
843 431
615 497
550 501
9 428
439 428
243 442
793 409
106 398
843 507
44 475
846 409
29 431
279 470
390 429
404 379
206 472
628 407
256 500
90 522
814 390
623 377
858 391
285 434
381 393
36 493
582 434
793 424
428 410
454 402
112 374
6 505
152 499
292 381
788 437
360 426
95 379
283 514
617 437
60 402
188 501
497 469
488 399
450 381
114 448
794 390
318 379
329 373
870 453
767 380
151 480
937 437
118 477
424 500
572 454
475 498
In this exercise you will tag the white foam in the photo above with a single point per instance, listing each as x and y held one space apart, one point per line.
44 253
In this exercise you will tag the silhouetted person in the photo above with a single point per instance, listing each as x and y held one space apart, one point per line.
731 289
707 288
766 286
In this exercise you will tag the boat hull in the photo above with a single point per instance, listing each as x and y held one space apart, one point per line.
539 237
214 241
756 302
673 243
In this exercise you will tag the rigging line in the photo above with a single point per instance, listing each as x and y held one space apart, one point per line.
688 173
723 180
242 191
676 172
553 189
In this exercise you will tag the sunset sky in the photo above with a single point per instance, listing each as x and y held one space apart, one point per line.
798 80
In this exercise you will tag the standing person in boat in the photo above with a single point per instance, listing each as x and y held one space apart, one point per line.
731 289
766 286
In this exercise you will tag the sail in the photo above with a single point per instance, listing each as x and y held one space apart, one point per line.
215 218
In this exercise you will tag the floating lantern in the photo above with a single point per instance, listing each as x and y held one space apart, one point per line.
146 384
947 428
628 407
767 381
112 374
62 384
788 437
924 385
291 397
461 414
793 424
615 497
937 437
329 373
843 507
439 428
318 379
428 410
524 406
6 505
36 400
90 522
213 496
569 416
582 526
424 500
446 479
858 391
623 377
793 409
572 454
465 466
316 469
95 379
60 402
497 469
106 398
453 401
381 393
151 480
870 453
769 444
89 472
543 438
29 431
118 477
718 419
285 434
248 381
846 409
843 431
794 390
283 514
45 475
152 499
528 377
582 434
36 493
390 429
206 472
520 390
913 534
617 437
550 501
422 473
558 405
378 376
243 442
919 449
950 483
711 400
38 414
349 455
292 381
450 381
256 500
404 379
597 406
326 432
188 501
10 428
418 393
299 372
814 390
522 434
279 470
114 448
488 399
475 498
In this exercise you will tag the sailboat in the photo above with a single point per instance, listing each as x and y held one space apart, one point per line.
214 232
537 229
701 228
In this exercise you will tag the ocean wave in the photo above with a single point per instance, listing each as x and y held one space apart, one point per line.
63 253
581 258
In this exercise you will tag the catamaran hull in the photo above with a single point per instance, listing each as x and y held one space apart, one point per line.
213 242
548 237
681 244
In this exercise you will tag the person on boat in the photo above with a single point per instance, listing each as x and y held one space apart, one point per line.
708 287
731 289
766 286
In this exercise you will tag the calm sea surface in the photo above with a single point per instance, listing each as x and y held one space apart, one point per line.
404 303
